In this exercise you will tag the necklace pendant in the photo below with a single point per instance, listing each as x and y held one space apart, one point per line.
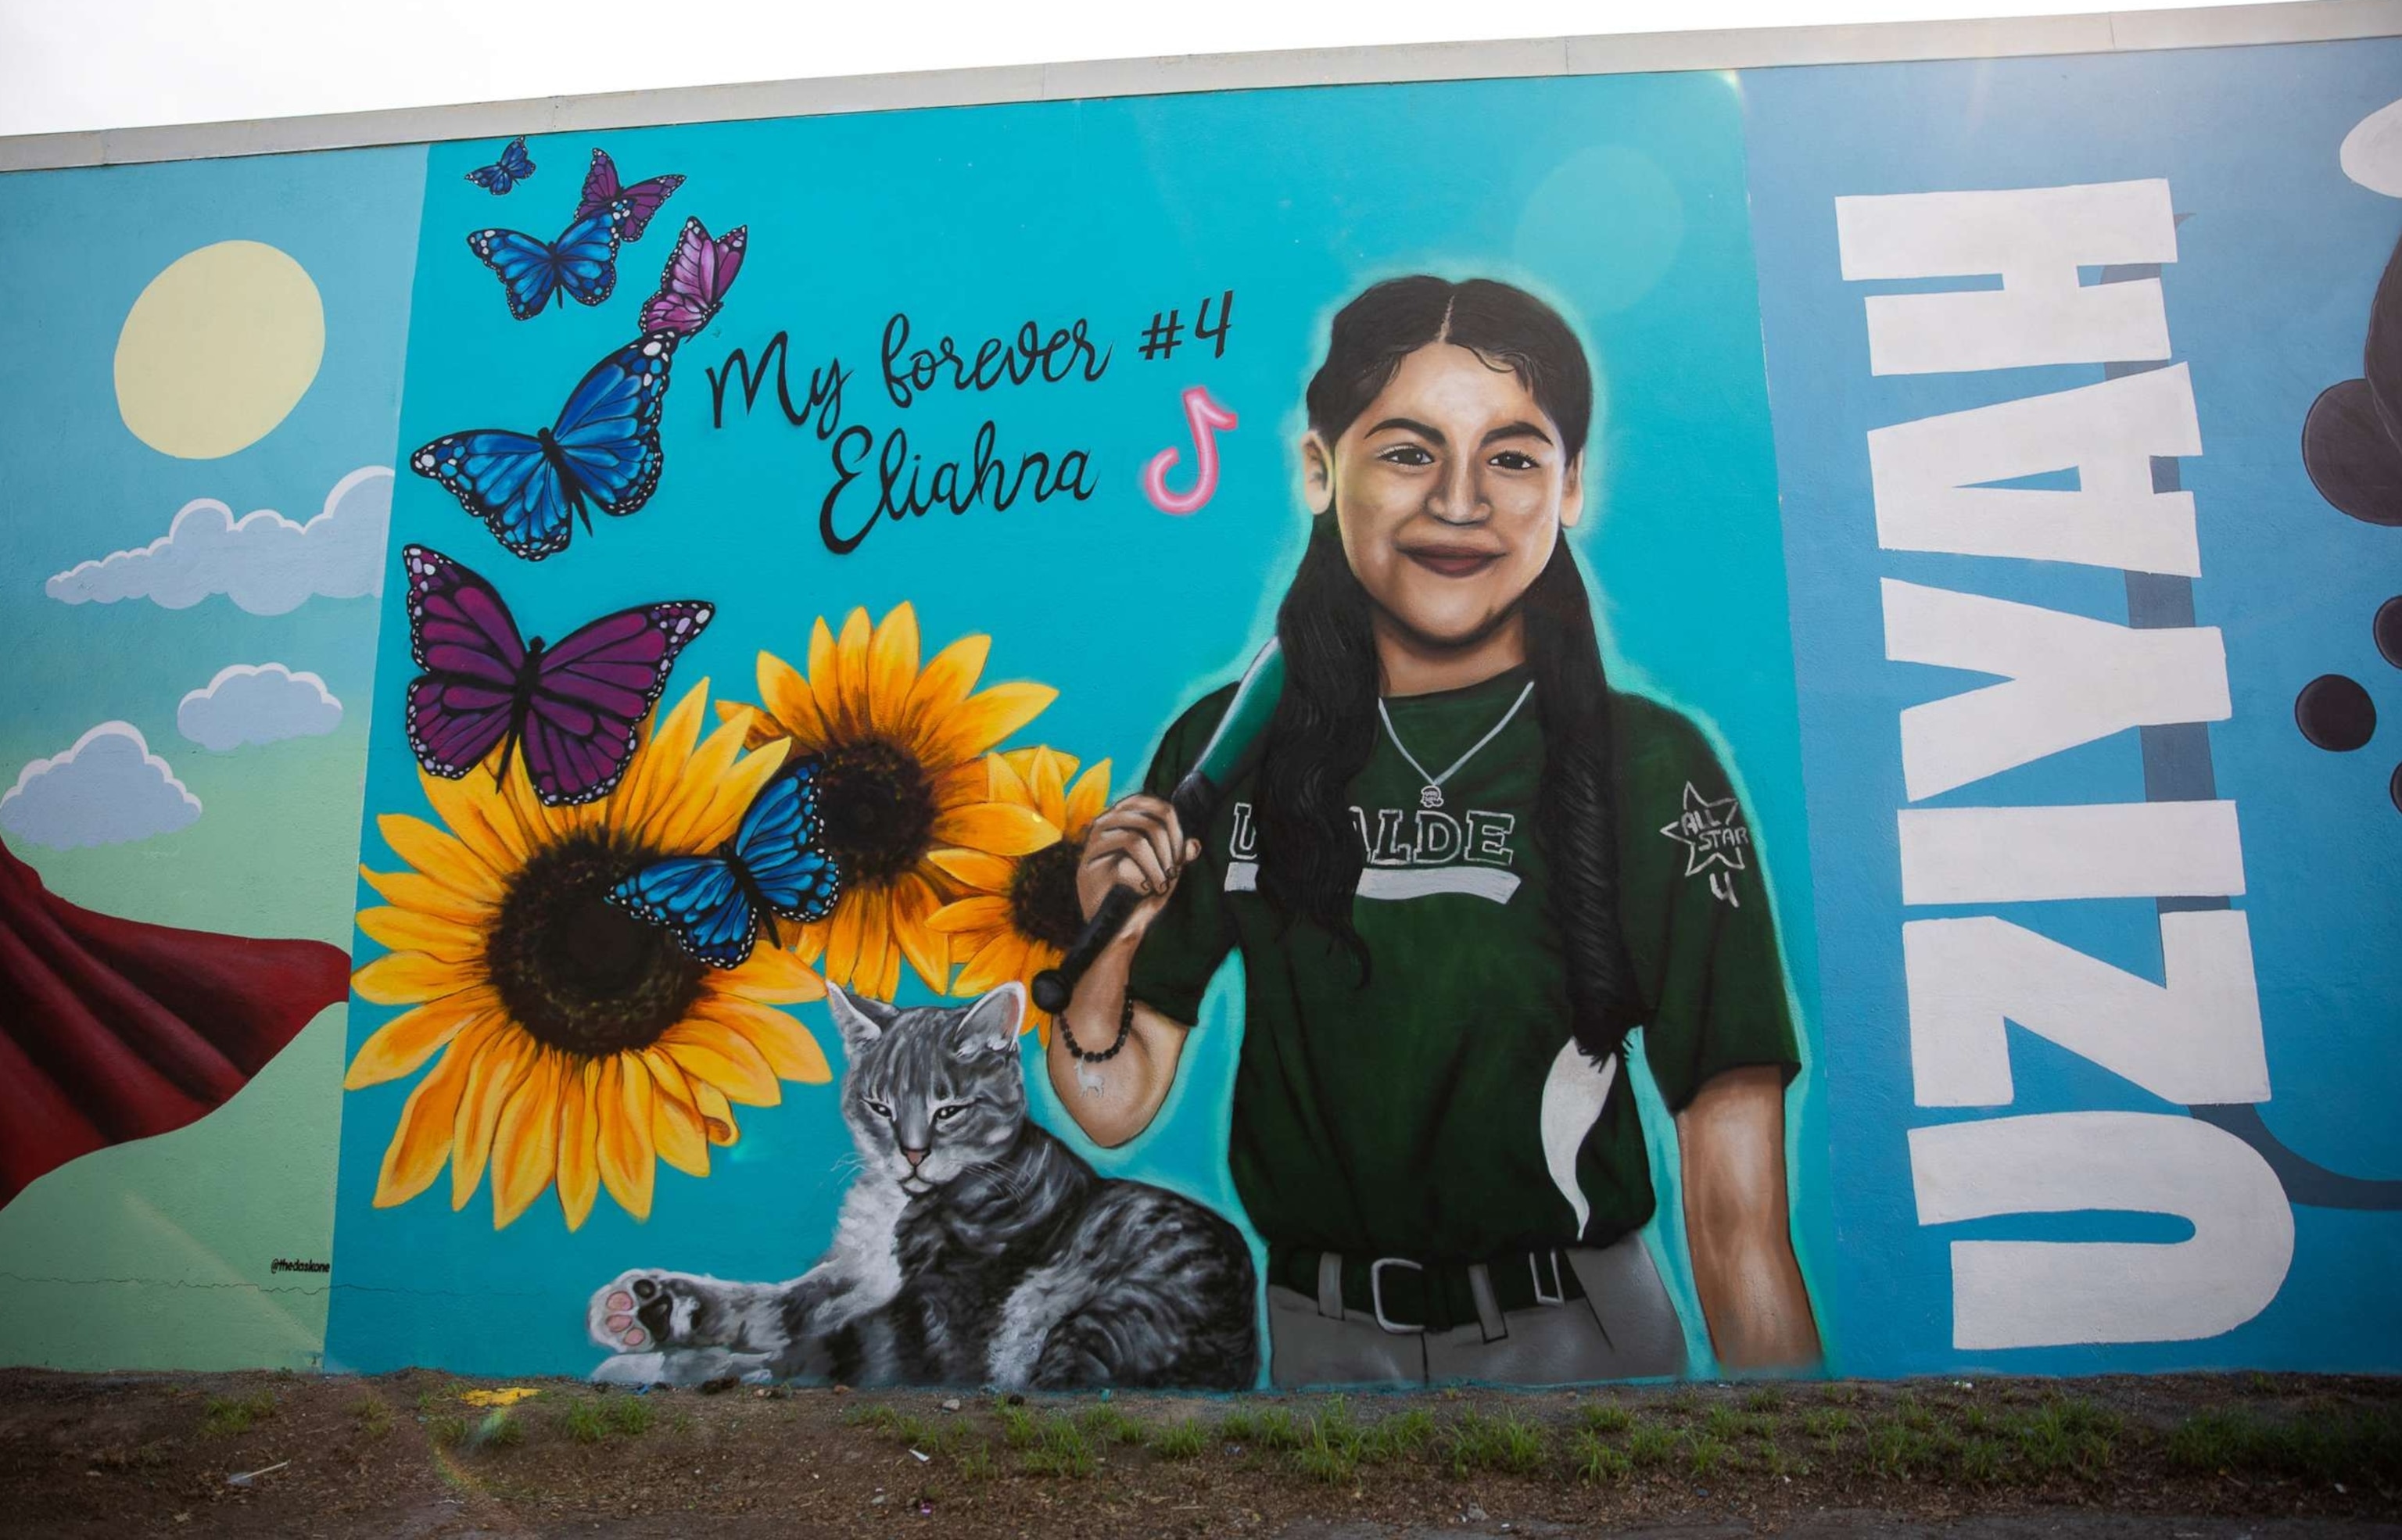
1430 796
1089 1077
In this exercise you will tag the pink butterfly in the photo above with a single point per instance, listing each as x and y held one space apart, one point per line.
697 278
643 199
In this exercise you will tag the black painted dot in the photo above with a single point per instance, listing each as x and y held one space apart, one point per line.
2334 713
2393 789
2388 626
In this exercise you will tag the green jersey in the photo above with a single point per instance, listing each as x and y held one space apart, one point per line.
1436 1109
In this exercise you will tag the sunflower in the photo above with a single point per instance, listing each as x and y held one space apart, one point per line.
902 777
576 1042
1020 916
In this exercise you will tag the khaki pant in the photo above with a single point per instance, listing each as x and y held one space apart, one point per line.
1623 1328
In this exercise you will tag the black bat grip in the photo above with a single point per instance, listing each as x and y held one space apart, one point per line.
1054 986
1195 801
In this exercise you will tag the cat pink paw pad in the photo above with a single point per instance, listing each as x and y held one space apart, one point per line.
620 1300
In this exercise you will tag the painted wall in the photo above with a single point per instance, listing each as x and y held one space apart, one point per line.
673 939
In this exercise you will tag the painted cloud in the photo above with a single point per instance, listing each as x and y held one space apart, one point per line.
106 789
257 703
264 562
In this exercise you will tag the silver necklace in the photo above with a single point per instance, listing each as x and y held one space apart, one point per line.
1430 794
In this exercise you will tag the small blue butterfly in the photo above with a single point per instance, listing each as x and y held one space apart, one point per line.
773 865
581 264
513 167
604 449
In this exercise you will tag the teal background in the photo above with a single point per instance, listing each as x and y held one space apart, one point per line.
1622 198
155 1254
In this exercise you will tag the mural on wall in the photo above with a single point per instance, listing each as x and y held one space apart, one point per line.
185 736
1134 778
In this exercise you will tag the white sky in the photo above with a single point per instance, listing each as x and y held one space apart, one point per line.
118 63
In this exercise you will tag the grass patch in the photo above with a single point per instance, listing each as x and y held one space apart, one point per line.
1508 1443
1895 1449
1765 1398
1059 1449
1104 1423
497 1430
448 1431
1704 1453
2069 1436
1019 1428
1597 1460
977 1464
1982 1461
2331 1445
1238 1428
1400 1437
1181 1440
1650 1445
1722 1423
1605 1418
589 1421
373 1415
227 1415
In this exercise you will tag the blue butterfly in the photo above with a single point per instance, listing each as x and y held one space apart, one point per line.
582 264
604 449
773 866
513 167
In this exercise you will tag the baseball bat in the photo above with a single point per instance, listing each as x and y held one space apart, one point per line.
1225 757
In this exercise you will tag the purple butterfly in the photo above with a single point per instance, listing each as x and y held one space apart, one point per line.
643 199
696 280
577 707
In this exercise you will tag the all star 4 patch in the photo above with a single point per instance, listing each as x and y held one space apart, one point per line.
1715 839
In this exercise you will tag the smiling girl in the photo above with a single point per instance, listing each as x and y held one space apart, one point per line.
1463 872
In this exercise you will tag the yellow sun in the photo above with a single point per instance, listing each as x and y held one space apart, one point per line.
219 350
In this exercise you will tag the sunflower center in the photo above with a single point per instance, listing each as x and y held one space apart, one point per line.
879 809
1043 902
577 972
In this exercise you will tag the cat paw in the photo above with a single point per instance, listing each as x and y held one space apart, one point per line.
639 1310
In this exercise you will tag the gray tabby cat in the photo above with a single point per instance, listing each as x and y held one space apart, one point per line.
974 1248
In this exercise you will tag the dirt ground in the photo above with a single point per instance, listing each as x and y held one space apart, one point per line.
408 1454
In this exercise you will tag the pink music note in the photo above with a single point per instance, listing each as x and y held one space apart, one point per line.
1206 418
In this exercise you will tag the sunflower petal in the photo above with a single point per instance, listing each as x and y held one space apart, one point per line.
852 933
406 930
525 1146
440 857
497 1072
658 767
579 1134
1046 784
787 698
1085 800
624 1104
717 810
929 951
407 978
977 870
716 1117
825 681
717 1056
421 1142
1004 784
997 961
891 670
942 684
758 727
677 1134
773 976
421 893
400 1045
996 828
787 1046
981 721
984 911
480 818
851 672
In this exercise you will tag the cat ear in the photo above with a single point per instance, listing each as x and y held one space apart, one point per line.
991 1025
861 1020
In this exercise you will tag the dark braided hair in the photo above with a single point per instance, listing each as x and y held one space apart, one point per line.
1324 728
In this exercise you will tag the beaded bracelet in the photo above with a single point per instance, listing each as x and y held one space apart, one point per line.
1126 1029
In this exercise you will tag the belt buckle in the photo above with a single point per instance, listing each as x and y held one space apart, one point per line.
1376 1294
1559 1295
